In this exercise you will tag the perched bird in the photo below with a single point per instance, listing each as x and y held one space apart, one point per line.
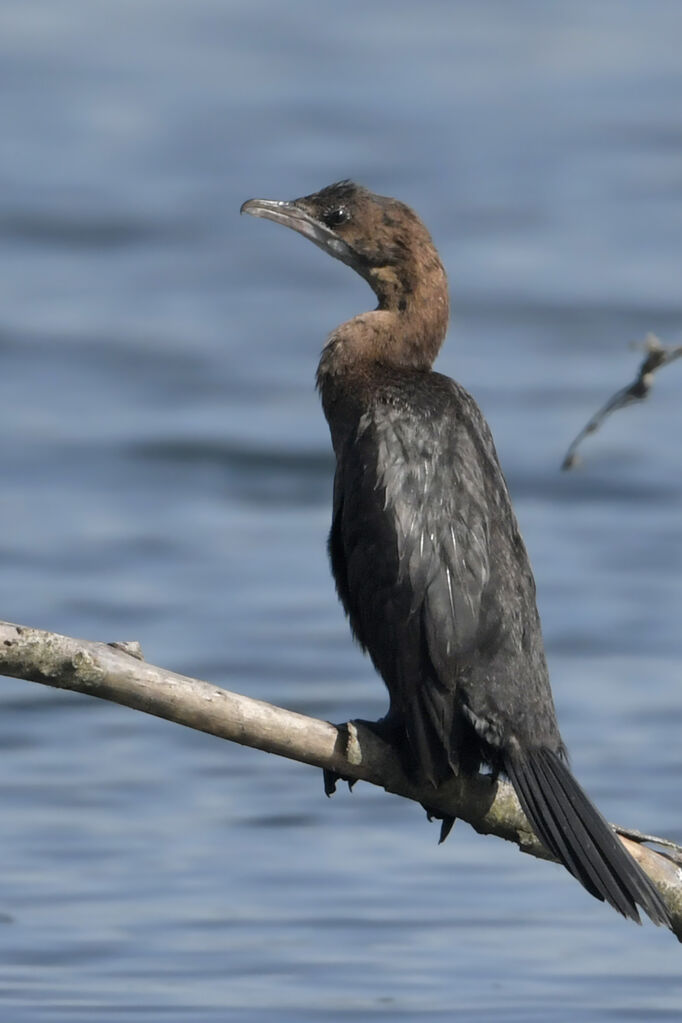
425 548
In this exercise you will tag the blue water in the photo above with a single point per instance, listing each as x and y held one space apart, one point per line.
166 477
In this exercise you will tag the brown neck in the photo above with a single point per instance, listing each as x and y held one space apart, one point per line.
405 331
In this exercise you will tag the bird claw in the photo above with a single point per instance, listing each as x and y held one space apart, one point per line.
447 822
331 778
384 729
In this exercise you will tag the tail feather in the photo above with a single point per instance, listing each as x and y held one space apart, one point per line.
621 884
578 836
601 881
544 811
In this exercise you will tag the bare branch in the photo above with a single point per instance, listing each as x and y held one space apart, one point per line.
656 356
116 672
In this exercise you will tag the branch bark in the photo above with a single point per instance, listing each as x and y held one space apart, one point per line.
117 673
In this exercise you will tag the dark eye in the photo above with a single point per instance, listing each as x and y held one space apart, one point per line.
336 216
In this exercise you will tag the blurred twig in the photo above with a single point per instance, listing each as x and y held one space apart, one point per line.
674 850
117 672
657 355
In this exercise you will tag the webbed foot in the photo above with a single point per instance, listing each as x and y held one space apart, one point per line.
332 778
447 822
385 729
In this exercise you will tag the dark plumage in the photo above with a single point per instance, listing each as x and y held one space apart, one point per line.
425 548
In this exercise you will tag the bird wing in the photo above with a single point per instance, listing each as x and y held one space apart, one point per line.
433 494
409 551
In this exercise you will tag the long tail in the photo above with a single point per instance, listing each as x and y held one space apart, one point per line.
576 833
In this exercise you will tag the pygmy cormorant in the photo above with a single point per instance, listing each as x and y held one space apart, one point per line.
425 548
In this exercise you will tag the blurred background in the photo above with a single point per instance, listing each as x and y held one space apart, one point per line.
166 477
